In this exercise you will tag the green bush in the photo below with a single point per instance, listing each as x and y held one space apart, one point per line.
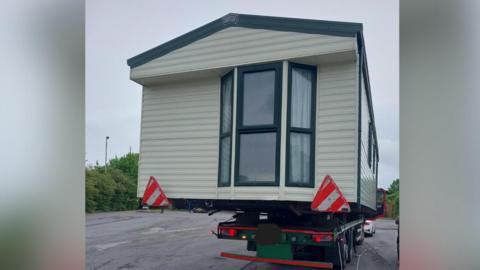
113 189
128 164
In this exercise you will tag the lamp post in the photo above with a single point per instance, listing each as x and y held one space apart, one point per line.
106 149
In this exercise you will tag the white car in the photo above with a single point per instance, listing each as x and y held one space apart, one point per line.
369 227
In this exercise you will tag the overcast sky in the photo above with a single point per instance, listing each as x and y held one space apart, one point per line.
117 30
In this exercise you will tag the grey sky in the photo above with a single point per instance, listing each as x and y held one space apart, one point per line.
117 30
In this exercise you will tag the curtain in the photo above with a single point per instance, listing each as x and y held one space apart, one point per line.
225 134
227 105
299 158
301 113
301 105
225 160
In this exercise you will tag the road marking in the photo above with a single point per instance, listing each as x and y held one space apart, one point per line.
184 230
154 230
162 230
109 245
358 261
247 266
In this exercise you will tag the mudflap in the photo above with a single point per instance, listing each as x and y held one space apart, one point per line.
269 243
277 251
322 265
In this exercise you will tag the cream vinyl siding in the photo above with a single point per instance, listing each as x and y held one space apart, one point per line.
179 138
180 118
336 142
236 46
368 184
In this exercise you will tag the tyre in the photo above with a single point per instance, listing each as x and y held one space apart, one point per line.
349 245
343 247
359 235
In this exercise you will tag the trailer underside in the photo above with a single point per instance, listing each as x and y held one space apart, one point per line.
299 208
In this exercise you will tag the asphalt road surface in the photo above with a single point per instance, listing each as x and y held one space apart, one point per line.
182 240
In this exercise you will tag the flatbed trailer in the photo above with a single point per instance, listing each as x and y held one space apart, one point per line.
320 240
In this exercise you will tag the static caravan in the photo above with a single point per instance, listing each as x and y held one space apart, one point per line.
254 111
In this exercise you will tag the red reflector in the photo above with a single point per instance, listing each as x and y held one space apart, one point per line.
317 238
229 232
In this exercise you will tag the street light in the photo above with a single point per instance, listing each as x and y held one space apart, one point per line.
106 148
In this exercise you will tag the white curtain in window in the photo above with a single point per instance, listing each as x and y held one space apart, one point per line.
227 105
225 130
225 161
301 98
299 158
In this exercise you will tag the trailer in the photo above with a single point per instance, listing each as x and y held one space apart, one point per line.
250 114
324 237
326 243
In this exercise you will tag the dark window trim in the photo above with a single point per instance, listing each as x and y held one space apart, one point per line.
310 130
365 75
221 134
374 160
276 127
370 144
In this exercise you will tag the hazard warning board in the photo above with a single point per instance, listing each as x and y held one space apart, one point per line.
329 198
154 195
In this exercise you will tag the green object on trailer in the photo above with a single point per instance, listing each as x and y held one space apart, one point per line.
276 251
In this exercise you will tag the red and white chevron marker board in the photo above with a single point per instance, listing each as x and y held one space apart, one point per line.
329 198
154 195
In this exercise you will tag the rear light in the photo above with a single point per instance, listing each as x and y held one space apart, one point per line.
228 232
317 238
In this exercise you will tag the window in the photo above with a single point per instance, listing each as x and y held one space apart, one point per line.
258 125
373 149
257 157
301 126
374 158
370 144
226 97
258 98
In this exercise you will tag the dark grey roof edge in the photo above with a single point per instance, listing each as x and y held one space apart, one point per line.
361 44
250 21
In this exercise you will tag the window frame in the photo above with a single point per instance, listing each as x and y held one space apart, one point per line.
374 158
311 131
229 132
370 144
269 128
